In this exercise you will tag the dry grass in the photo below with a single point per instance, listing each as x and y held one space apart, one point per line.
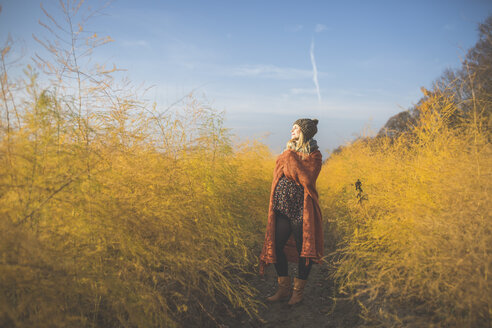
127 229
114 213
418 251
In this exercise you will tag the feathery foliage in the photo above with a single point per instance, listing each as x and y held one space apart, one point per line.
113 213
415 244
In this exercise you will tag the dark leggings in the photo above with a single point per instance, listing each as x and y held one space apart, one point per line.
283 228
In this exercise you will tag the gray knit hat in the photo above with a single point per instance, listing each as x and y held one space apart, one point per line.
308 127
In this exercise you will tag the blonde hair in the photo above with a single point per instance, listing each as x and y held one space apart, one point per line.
300 145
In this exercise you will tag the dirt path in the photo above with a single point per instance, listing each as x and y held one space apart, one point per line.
318 309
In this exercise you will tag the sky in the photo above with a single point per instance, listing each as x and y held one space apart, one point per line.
350 64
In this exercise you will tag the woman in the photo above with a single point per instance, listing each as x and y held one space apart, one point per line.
294 231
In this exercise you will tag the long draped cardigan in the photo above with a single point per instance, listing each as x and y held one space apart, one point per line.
304 172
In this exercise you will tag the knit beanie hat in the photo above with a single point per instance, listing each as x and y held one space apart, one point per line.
308 127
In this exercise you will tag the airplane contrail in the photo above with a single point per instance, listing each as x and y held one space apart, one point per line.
315 71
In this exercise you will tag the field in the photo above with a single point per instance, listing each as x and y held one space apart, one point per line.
115 213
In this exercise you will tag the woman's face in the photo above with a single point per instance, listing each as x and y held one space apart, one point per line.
295 132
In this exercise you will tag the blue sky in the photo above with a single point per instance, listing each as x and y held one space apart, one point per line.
256 59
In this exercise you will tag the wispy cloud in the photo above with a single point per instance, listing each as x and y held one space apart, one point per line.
320 28
271 71
315 71
349 92
294 28
135 43
302 91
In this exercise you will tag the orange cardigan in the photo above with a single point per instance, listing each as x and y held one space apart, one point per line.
304 172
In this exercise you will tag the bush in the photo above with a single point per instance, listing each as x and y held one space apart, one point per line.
415 248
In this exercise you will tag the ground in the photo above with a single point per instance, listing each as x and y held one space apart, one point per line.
321 306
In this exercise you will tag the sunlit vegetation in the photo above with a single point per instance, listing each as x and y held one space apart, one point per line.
114 213
415 239
119 233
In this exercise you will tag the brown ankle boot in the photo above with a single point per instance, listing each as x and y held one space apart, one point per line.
299 285
283 290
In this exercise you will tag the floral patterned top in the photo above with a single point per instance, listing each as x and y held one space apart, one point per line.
288 198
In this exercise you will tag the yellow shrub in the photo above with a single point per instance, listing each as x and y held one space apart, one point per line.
418 251
127 228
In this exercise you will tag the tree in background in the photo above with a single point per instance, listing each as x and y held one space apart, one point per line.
470 88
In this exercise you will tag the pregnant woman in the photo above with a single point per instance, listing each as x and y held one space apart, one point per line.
294 231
